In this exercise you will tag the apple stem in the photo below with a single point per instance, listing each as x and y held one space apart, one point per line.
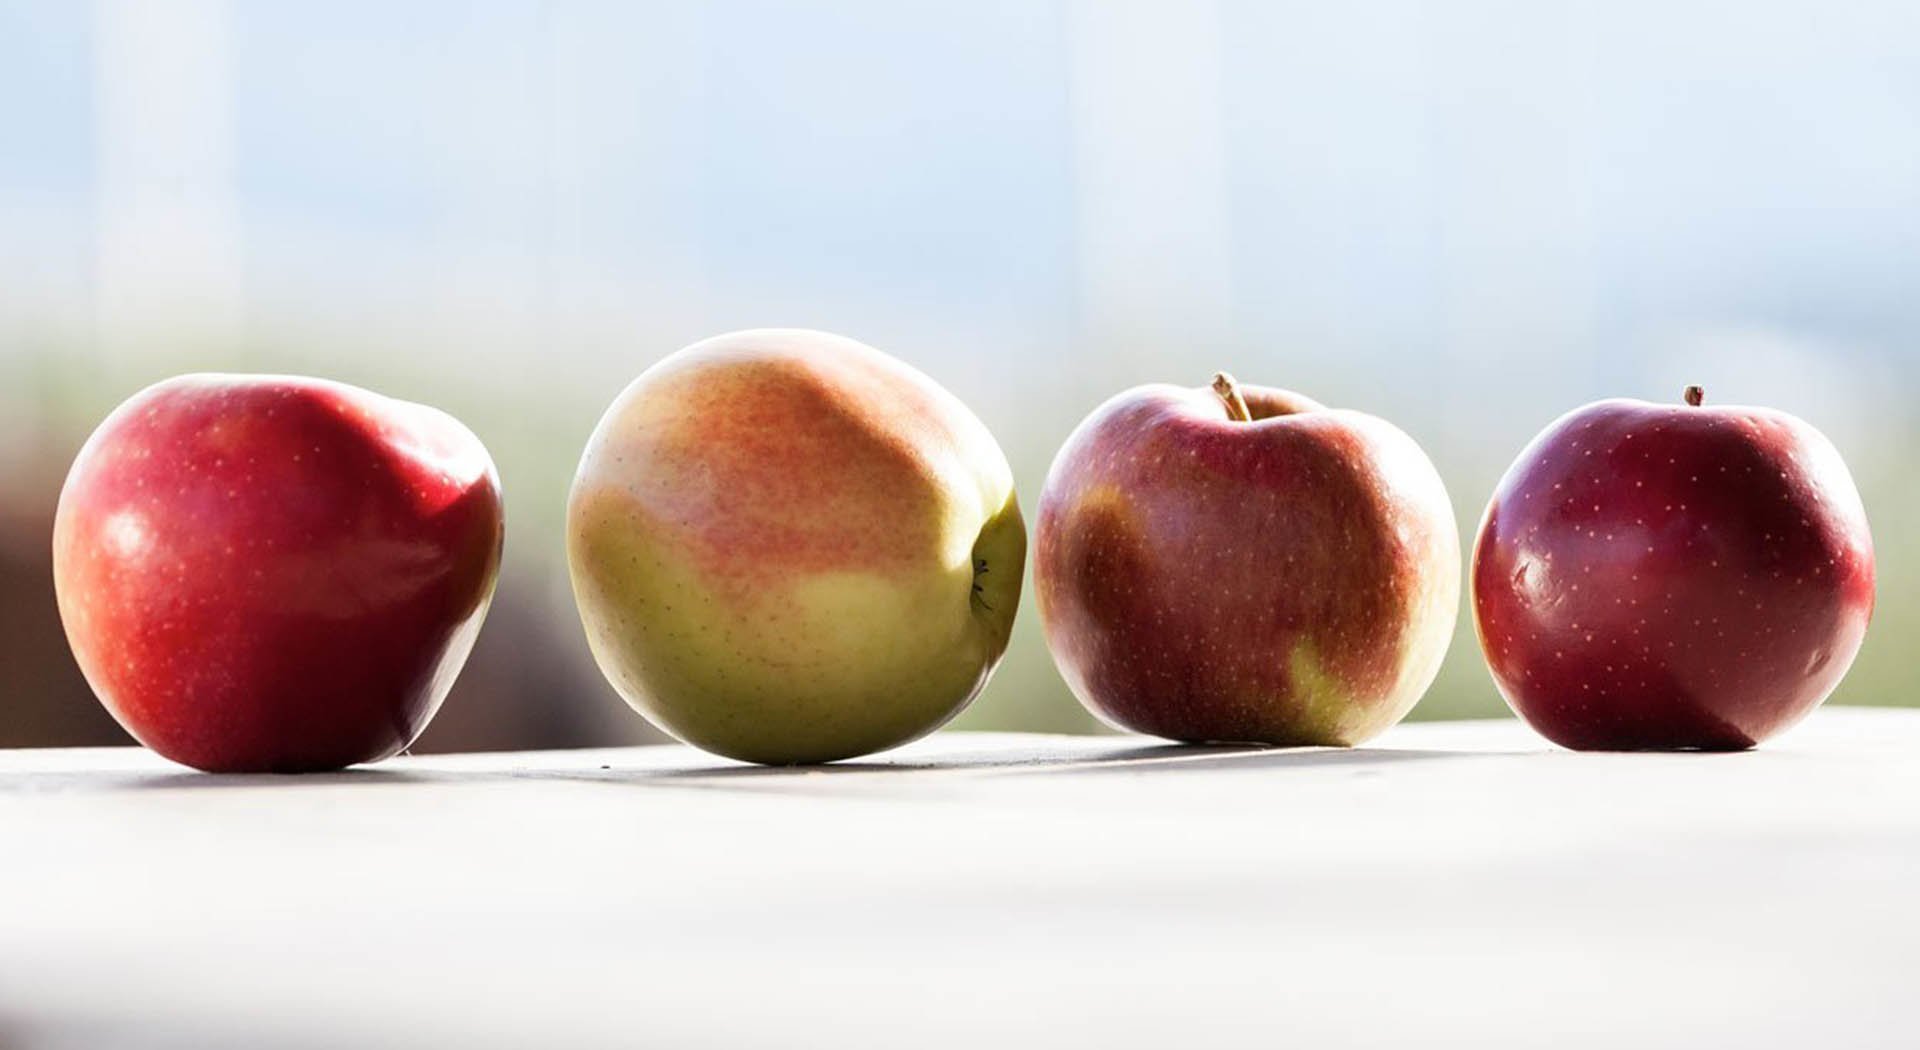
1229 391
1695 395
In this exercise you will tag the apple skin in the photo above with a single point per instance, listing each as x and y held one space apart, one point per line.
788 547
1655 577
275 573
1289 579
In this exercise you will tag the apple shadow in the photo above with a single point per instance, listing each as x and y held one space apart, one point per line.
825 769
1194 758
193 780
1152 760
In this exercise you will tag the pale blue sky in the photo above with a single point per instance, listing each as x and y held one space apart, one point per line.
1586 189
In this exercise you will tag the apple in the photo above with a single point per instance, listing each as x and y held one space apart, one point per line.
1652 577
1243 564
788 547
273 573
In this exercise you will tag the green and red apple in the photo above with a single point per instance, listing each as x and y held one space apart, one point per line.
789 547
1243 564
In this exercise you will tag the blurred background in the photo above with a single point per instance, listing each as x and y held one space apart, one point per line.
1467 217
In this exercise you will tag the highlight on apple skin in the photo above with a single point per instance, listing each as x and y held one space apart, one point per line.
1678 576
788 547
1243 564
275 573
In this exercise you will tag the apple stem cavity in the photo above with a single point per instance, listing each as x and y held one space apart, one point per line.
1229 391
1694 395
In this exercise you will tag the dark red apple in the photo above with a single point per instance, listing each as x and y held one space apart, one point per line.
1672 576
269 573
1213 567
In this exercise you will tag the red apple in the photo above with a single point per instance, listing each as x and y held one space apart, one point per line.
275 574
1244 564
1672 576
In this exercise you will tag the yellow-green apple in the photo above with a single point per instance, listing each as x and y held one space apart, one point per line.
1672 576
1244 564
273 573
788 547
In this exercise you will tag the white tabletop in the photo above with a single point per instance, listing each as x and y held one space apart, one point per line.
1457 885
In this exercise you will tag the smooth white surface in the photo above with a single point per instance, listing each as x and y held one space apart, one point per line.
1458 885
